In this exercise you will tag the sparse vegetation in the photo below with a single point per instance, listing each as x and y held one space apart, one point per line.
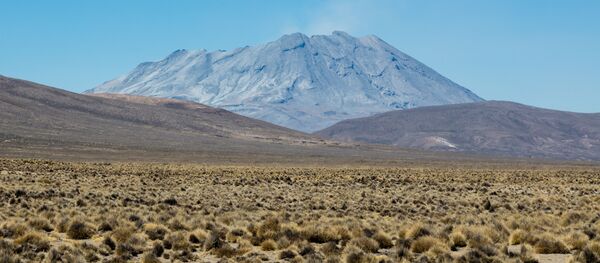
53 211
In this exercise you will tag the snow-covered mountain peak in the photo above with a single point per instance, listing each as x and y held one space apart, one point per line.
304 83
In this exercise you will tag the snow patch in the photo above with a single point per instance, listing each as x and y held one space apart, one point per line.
440 141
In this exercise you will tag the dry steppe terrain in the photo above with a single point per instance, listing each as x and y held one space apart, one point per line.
139 212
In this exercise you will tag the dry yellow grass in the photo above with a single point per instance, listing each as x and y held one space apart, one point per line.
177 212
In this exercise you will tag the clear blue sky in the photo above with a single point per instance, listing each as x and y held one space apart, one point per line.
542 53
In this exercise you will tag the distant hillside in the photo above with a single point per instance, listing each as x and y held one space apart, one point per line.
36 109
491 127
300 82
43 122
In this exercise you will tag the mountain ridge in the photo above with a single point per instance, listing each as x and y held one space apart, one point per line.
300 82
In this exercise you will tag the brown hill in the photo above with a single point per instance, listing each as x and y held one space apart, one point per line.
492 127
36 108
43 122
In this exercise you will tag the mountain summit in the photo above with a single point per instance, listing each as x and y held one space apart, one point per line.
300 82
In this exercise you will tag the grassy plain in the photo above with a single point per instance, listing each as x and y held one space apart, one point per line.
128 212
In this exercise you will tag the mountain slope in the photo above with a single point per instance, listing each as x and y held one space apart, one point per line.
34 116
488 127
38 121
303 83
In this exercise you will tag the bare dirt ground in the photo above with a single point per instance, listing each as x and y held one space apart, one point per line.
128 212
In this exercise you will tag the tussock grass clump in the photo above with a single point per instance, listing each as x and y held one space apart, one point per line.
178 240
576 240
457 239
418 230
321 234
306 249
198 236
283 242
149 257
228 251
79 229
424 243
383 240
41 224
268 245
287 254
176 224
365 244
138 241
66 253
330 249
9 258
440 253
105 227
132 247
34 241
591 253
594 247
123 233
234 234
155 231
269 229
481 235
6 248
126 252
548 244
356 255
62 224
158 249
170 201
571 217
107 241
13 229
214 241
518 237
526 254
